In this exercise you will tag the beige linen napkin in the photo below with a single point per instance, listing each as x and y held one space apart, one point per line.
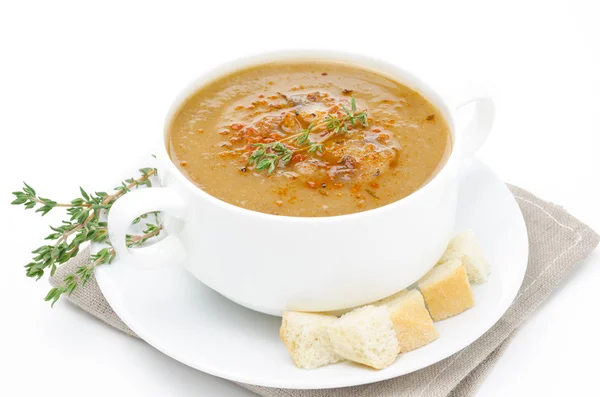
557 242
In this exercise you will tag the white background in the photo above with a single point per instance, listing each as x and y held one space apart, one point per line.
84 89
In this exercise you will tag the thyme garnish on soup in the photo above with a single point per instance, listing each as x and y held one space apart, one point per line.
268 156
308 129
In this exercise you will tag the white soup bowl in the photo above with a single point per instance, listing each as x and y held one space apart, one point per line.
296 263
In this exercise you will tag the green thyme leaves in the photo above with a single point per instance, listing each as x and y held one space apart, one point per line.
268 155
83 225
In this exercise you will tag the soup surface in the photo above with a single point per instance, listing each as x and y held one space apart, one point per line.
308 139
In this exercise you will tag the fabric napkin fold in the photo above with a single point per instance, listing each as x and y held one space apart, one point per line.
557 242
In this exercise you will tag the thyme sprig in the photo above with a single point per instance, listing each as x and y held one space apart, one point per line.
315 147
304 135
83 225
150 231
353 116
106 255
269 156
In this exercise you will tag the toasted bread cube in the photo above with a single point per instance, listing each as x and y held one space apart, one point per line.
446 290
306 338
366 335
467 249
412 322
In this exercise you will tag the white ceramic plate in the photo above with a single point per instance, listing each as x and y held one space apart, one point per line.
178 315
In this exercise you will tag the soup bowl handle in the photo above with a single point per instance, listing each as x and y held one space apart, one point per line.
168 251
477 131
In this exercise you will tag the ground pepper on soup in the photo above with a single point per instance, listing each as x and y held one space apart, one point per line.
308 139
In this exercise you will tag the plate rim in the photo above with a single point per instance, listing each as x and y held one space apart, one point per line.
114 299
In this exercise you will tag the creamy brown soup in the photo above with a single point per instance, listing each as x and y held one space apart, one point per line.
308 139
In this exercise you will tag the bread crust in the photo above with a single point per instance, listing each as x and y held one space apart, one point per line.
413 325
446 290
